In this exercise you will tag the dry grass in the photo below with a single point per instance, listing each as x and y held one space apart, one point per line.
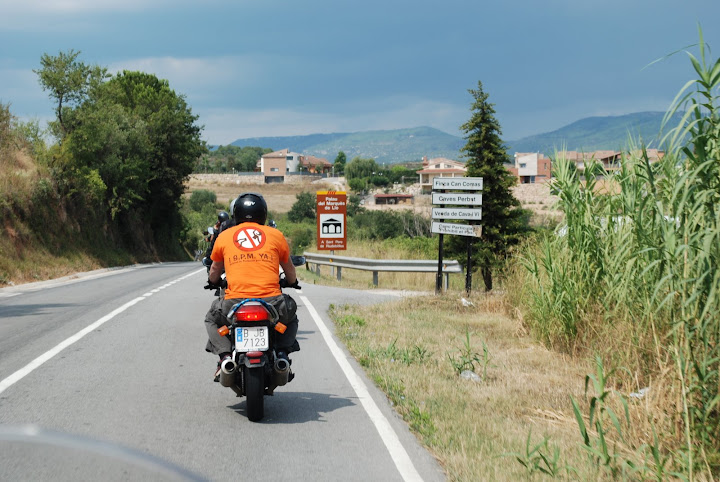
19 174
469 426
280 197
354 278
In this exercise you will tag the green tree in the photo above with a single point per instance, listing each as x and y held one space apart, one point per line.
353 205
69 82
504 222
357 184
200 198
174 138
304 208
401 174
339 163
361 168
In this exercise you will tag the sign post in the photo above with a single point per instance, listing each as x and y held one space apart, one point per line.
472 214
331 220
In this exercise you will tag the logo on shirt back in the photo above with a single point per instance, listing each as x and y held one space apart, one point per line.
249 239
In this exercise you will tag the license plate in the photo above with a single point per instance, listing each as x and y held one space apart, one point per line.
251 338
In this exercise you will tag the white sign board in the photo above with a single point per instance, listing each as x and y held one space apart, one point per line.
457 213
457 229
458 183
457 198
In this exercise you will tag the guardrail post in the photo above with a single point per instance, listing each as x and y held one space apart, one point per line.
339 273
375 278
317 269
447 281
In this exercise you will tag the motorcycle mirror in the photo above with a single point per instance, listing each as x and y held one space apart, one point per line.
272 223
211 230
297 260
207 261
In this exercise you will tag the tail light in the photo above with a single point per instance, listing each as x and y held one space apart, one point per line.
252 313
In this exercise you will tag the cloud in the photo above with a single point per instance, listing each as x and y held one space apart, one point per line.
199 79
68 16
51 7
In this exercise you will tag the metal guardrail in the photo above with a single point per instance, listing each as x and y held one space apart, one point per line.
377 265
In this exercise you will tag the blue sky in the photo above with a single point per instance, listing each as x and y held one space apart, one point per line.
256 68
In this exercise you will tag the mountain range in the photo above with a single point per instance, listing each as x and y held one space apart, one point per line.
410 145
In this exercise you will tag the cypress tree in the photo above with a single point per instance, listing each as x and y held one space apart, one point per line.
503 221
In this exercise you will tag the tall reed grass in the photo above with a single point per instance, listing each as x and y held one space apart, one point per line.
634 274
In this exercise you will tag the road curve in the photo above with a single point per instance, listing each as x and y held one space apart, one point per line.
116 357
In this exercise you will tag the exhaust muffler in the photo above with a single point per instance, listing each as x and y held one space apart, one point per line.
281 371
227 375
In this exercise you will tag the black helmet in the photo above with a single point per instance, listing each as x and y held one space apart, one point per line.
223 216
250 207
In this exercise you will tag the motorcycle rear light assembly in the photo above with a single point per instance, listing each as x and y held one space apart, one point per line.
223 330
280 328
252 313
254 354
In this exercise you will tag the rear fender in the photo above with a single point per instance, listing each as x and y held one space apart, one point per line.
251 362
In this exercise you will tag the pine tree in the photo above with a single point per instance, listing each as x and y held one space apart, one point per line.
503 221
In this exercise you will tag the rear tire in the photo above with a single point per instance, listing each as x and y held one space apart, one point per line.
254 393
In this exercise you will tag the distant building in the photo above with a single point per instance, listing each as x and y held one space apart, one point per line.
393 198
610 159
439 167
530 167
316 165
275 165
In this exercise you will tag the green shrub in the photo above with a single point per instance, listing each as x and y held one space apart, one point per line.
303 209
200 198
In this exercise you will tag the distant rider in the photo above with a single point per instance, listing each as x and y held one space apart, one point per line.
223 222
251 254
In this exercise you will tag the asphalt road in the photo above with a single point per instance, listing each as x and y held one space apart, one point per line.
104 375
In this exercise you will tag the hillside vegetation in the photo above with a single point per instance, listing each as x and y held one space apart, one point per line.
108 189
598 133
388 146
410 145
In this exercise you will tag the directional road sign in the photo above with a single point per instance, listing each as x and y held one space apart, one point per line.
457 198
458 183
457 229
474 214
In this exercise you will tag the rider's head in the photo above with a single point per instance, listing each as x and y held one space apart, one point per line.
250 207
223 216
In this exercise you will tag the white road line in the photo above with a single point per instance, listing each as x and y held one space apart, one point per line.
389 437
36 363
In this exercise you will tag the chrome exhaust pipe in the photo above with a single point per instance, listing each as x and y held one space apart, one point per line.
281 371
227 374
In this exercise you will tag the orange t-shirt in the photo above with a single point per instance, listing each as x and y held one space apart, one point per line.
252 254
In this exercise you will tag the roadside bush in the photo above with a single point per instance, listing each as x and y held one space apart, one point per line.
300 236
387 224
200 198
357 185
303 209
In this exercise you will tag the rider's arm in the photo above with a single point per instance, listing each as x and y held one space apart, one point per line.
217 269
289 270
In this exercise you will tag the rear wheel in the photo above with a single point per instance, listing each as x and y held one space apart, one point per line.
254 393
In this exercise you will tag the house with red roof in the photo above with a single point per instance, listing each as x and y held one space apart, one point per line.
439 167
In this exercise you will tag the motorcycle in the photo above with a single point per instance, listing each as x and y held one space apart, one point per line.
255 368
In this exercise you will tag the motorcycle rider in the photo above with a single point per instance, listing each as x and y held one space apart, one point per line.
251 254
223 222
